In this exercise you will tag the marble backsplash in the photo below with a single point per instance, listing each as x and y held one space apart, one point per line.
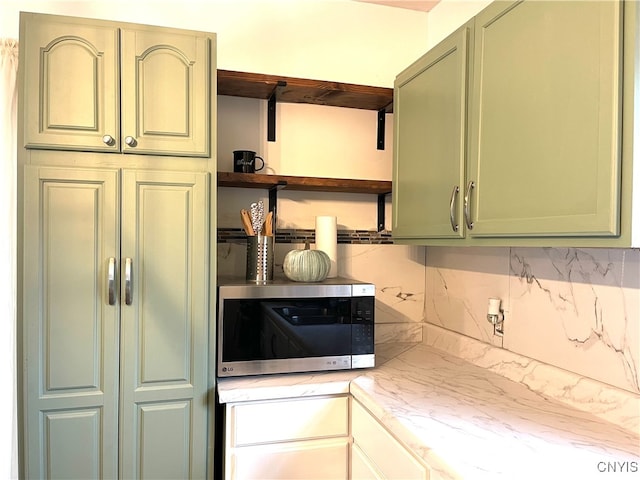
397 271
575 309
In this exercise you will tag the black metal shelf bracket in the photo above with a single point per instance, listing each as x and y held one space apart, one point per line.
381 124
381 210
273 201
271 112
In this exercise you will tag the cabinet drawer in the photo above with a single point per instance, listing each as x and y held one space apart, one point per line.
278 421
382 449
309 460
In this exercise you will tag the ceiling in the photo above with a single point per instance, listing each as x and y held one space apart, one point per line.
420 5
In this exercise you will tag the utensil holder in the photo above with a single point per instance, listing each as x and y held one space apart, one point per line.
260 258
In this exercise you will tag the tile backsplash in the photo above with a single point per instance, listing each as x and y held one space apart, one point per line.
300 235
576 309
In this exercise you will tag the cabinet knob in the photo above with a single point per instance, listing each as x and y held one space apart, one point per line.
109 140
130 141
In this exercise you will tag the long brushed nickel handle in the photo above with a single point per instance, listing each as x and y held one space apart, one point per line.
467 207
128 281
111 281
452 204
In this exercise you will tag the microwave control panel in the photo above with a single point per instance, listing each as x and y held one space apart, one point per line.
362 327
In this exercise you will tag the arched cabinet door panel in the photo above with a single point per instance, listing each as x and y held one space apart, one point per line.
165 93
71 79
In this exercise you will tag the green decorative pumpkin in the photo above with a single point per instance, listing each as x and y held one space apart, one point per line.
306 265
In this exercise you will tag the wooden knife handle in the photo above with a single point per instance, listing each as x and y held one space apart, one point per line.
267 229
246 222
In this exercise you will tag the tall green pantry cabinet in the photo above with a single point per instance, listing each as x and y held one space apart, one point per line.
116 135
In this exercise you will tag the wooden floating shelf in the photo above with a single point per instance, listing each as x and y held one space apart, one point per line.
317 184
276 89
298 90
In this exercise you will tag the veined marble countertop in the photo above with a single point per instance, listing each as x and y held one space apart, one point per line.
291 385
465 421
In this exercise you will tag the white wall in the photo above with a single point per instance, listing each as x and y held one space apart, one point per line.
338 40
314 141
448 15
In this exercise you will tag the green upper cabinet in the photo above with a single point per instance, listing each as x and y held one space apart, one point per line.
430 104
545 120
106 87
541 148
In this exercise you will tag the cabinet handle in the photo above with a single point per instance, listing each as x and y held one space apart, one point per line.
467 208
452 204
132 142
111 281
128 300
109 140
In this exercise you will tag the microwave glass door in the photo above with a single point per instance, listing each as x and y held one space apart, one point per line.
265 329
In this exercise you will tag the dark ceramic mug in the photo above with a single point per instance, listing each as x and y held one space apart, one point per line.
244 161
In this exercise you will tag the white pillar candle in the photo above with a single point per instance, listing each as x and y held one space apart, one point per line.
327 240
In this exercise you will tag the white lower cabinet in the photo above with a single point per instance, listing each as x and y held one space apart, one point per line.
302 439
376 454
313 438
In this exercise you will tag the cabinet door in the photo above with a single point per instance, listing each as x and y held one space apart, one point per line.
430 107
71 83
70 327
545 145
387 456
361 468
165 92
164 325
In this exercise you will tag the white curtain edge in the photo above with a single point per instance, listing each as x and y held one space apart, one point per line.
8 257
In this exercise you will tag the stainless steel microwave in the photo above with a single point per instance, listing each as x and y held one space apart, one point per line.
284 327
